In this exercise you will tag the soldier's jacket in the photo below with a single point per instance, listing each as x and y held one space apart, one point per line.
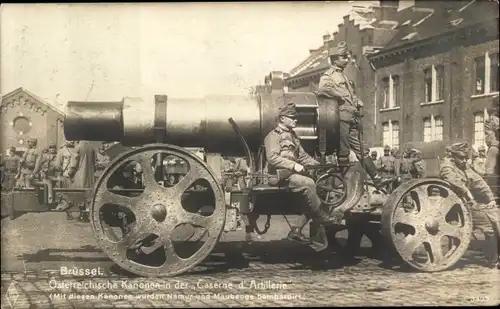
47 164
334 84
63 158
12 163
283 150
387 164
29 158
491 131
405 168
478 165
466 180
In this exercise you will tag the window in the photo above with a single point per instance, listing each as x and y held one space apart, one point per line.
486 74
395 134
479 129
390 87
390 134
385 86
433 129
434 83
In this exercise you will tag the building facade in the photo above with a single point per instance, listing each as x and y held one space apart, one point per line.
365 29
435 78
23 116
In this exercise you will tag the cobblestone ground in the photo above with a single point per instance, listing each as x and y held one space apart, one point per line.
271 272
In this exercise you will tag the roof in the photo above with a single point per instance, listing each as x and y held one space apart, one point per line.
33 96
431 19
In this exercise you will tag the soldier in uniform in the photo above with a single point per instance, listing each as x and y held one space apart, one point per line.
63 160
11 166
102 161
284 152
405 167
479 161
374 155
419 168
471 187
28 163
337 89
386 163
491 132
47 168
397 160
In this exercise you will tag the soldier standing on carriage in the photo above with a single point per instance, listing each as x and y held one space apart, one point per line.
285 154
28 163
11 166
47 164
492 132
471 187
336 88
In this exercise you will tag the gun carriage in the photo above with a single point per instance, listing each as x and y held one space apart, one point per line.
164 219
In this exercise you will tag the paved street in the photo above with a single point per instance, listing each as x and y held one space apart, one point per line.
273 273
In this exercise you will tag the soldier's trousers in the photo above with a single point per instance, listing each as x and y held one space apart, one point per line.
488 221
306 187
492 161
349 140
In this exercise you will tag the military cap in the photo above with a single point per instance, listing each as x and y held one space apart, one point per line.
387 148
339 50
12 148
374 152
52 146
460 149
288 110
481 148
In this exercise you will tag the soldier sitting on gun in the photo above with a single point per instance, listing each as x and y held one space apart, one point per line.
285 153
474 190
28 163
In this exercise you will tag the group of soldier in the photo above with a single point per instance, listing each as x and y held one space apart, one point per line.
74 165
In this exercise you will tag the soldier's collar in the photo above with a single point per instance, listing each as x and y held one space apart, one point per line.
281 128
337 69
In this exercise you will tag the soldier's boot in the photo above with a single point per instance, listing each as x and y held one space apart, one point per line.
379 181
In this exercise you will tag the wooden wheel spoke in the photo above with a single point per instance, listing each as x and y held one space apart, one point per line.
407 245
452 230
147 170
401 216
436 251
194 219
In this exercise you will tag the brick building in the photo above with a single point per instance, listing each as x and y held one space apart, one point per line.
23 116
436 76
365 29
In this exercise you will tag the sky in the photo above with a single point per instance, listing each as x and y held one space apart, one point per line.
100 52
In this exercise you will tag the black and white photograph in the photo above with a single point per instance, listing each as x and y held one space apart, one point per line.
250 154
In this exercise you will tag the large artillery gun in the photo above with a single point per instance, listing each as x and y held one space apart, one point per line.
160 229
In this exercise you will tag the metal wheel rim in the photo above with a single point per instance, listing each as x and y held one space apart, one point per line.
152 189
424 222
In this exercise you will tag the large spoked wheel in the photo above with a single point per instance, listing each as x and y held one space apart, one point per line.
428 224
156 220
331 189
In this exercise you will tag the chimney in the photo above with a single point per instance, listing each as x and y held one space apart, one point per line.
326 38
